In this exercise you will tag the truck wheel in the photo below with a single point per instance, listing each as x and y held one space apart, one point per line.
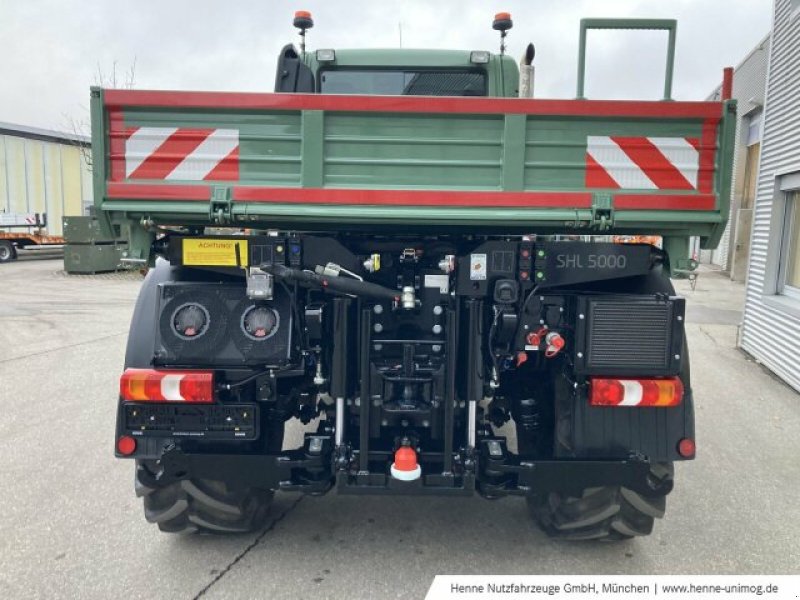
199 505
609 513
7 251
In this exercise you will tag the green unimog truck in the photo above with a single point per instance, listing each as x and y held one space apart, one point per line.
398 250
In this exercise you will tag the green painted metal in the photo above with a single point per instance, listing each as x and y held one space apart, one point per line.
312 170
724 170
555 157
93 258
669 25
346 149
84 230
514 153
99 159
500 152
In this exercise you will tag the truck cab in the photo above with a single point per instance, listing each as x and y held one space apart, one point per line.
397 72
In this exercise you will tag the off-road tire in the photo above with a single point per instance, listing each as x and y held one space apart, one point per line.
7 251
610 513
200 505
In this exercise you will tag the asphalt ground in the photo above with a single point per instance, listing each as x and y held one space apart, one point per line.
71 527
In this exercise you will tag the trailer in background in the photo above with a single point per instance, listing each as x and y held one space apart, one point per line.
25 232
44 176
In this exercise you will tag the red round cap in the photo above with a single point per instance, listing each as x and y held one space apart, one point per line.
687 447
302 14
405 459
126 445
502 16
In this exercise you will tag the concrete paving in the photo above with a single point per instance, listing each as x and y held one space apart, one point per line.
70 525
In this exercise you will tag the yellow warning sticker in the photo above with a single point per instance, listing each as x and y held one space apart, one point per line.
208 252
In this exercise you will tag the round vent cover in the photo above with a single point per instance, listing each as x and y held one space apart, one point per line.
190 320
259 322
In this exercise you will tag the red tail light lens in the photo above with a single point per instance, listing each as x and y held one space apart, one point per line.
149 385
126 445
635 392
686 448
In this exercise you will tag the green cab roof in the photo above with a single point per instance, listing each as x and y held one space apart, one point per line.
403 57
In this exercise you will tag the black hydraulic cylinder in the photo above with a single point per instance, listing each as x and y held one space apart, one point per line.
341 326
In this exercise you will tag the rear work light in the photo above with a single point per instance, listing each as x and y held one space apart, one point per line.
635 392
149 385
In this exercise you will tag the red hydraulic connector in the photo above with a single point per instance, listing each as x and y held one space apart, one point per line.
535 338
555 344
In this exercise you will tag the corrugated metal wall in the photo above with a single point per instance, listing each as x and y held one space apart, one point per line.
771 332
719 256
43 177
749 82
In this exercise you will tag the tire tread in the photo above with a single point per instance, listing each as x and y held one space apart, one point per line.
200 506
610 513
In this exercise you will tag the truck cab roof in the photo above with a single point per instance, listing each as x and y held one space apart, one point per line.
501 72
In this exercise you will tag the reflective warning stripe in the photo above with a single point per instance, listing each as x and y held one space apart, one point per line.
182 154
657 163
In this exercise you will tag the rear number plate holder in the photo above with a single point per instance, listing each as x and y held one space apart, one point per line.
178 420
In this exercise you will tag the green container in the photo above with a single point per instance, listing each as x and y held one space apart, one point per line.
92 258
84 230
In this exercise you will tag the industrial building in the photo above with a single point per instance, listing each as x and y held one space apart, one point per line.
771 327
749 86
44 172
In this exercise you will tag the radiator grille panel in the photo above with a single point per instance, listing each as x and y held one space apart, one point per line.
629 334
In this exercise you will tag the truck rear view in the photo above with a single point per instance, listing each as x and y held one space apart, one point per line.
414 278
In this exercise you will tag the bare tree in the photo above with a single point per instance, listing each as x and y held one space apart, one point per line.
112 79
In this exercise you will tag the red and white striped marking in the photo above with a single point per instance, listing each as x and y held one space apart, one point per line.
182 154
643 163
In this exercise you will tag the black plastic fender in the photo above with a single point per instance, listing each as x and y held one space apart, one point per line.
584 431
142 332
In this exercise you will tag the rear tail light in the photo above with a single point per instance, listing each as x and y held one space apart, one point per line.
149 385
635 392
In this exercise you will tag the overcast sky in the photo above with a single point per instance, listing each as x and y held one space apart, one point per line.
52 48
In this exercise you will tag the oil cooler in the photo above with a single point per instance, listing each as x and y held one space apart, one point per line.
629 335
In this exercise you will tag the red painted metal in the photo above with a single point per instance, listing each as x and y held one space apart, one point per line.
727 83
653 163
414 197
708 151
597 177
172 152
227 169
664 202
117 99
142 191
117 134
147 191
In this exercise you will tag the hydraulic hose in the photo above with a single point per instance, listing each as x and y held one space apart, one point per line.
344 285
